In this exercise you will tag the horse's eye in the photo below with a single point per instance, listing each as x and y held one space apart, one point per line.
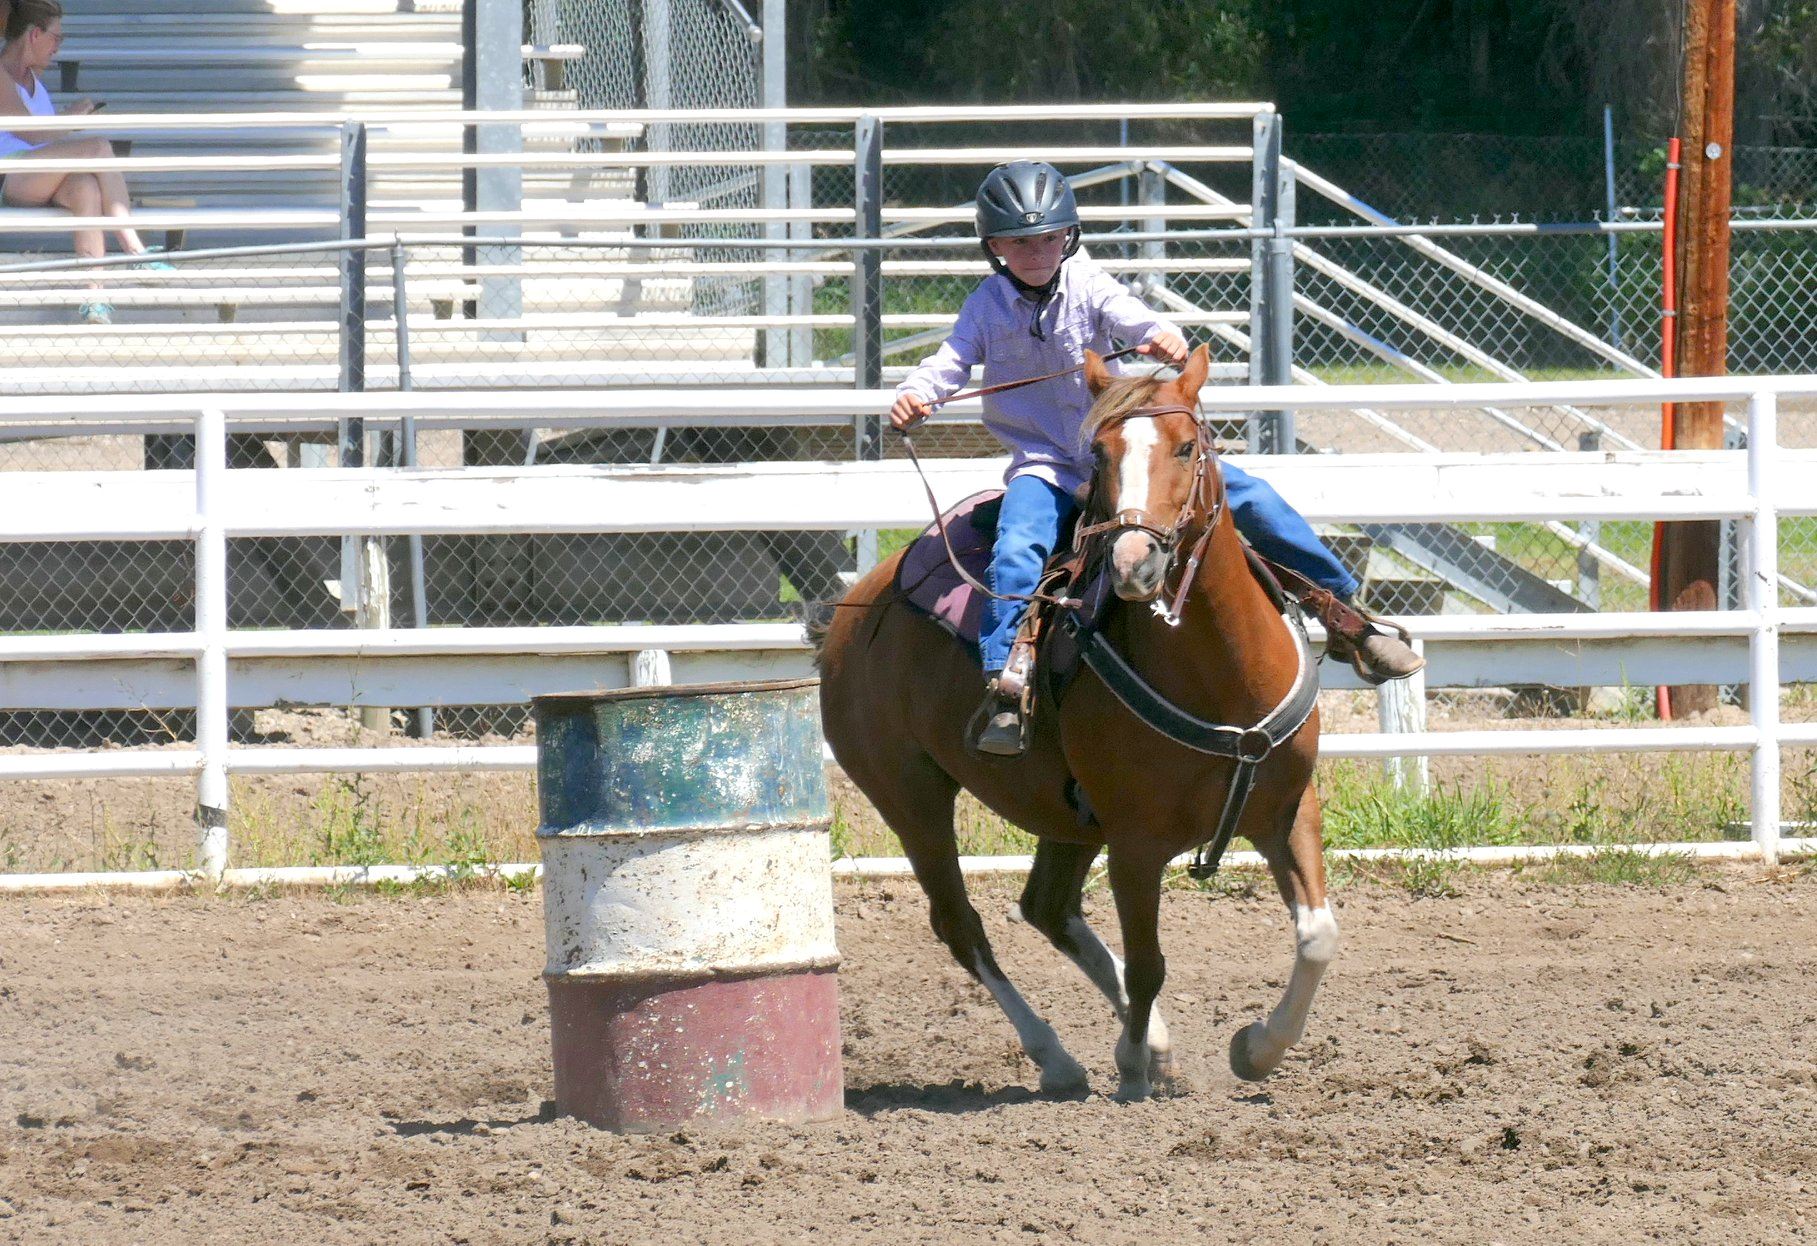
1184 452
1098 452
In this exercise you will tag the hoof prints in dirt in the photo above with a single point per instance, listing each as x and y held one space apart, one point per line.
344 1076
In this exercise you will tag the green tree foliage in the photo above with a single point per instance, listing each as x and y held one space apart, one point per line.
983 50
1517 67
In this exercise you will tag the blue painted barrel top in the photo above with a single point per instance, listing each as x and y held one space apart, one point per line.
680 756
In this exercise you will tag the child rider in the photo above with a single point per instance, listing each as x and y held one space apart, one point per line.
1039 313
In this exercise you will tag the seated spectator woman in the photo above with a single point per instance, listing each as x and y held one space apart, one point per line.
34 32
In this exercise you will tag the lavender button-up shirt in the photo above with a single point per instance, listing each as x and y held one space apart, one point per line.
1041 425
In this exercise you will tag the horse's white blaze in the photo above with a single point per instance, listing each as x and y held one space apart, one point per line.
1132 476
1315 944
1133 472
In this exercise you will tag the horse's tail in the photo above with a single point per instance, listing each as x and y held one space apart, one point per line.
817 621
817 618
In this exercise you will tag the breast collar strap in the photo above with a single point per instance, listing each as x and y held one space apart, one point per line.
1248 746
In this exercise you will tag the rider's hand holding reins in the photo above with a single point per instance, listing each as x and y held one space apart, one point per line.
1169 348
909 410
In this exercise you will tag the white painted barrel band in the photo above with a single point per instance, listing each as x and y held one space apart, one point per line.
699 973
686 904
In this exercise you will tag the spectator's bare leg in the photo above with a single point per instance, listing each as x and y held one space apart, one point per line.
80 194
116 202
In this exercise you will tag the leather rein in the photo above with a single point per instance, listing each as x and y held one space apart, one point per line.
1249 747
1061 602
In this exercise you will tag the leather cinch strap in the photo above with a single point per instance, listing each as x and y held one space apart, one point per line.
1249 747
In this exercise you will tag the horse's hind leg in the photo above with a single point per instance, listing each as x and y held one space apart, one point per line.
1051 904
920 810
1297 861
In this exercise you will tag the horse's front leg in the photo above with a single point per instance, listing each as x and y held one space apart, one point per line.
1135 880
1298 864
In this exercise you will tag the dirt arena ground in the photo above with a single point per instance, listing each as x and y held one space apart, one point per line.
1520 1063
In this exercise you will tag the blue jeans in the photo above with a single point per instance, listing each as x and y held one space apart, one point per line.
1279 534
1034 514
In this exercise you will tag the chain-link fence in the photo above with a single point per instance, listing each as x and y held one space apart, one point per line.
675 54
1388 308
1449 177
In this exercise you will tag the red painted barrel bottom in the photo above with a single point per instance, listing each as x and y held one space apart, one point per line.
645 1055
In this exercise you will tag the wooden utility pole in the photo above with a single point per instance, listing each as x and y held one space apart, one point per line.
1690 553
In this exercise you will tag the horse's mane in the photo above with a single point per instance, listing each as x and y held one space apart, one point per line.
1118 398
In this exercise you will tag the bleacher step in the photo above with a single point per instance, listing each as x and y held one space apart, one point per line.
268 8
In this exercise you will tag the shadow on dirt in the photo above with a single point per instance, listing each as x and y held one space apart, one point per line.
953 1097
469 1125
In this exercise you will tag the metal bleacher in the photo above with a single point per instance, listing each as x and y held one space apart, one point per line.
271 322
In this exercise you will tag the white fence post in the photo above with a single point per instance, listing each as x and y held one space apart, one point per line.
650 668
1763 550
1401 709
211 630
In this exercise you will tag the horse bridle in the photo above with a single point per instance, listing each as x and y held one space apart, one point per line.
1204 498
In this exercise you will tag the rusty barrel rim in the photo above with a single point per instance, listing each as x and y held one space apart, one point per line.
722 688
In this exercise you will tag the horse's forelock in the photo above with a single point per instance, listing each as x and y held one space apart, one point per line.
1117 399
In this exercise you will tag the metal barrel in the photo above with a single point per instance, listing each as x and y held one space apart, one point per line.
688 905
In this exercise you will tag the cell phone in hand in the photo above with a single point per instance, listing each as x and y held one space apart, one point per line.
97 106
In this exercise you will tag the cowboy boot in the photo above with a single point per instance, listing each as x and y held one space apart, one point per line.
1375 654
1005 697
1001 735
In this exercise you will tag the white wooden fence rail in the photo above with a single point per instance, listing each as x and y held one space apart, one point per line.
214 669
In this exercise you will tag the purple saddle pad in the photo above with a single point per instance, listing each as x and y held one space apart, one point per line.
926 576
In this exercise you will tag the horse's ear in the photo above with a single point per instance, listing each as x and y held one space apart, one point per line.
1097 376
1198 367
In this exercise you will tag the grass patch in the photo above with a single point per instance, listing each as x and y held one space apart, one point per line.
1614 800
1364 810
984 834
1427 878
1620 867
469 822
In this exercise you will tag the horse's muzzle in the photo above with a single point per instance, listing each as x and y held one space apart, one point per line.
1138 565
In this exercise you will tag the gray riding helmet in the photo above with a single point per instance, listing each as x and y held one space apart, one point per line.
1023 198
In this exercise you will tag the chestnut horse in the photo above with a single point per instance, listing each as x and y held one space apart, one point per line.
897 692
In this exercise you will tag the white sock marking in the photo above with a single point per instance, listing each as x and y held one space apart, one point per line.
1037 1036
1315 944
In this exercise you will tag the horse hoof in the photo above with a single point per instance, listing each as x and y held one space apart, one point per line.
1134 1091
1066 1081
1241 1044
